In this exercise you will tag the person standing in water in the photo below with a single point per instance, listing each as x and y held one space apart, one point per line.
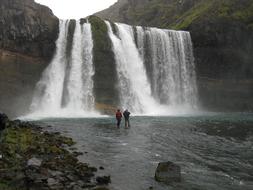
127 116
118 117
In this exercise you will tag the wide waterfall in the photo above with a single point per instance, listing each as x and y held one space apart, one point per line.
66 86
155 69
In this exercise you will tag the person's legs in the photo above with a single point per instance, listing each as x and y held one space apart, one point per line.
125 123
118 122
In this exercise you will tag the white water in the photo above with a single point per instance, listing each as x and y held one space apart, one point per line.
171 87
173 77
48 97
135 90
155 70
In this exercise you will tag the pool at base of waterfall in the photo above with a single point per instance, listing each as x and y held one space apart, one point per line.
214 151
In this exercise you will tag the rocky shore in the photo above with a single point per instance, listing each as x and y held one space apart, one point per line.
34 159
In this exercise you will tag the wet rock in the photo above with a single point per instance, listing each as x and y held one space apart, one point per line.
42 161
168 172
101 168
103 180
77 153
51 182
34 162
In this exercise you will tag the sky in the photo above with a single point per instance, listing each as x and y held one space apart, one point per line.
75 9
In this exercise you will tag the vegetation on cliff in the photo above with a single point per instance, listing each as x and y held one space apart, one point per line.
105 76
179 14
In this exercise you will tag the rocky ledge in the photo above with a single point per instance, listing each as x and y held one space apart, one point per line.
34 159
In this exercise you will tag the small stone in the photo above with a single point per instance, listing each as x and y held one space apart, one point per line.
101 168
103 180
34 162
51 182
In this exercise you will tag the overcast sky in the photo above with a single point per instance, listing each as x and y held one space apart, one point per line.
66 9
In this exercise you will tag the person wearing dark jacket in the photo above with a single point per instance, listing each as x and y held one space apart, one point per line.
127 116
118 117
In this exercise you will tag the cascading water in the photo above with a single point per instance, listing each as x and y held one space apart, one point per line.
48 97
155 71
48 93
135 91
172 74
169 60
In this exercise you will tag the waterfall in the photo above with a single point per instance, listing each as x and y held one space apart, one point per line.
48 96
134 88
157 74
173 78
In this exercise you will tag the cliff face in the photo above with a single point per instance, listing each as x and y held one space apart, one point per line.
27 42
222 34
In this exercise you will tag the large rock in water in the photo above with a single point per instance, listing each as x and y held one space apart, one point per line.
168 172
27 42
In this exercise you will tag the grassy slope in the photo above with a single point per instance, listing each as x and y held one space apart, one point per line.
180 14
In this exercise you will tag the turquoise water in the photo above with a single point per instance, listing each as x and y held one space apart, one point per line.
214 151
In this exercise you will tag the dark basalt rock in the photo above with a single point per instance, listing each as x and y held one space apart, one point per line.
103 180
168 172
27 43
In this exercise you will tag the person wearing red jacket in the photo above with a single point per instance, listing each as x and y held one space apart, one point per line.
118 117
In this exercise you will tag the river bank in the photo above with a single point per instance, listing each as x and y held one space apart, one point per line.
33 159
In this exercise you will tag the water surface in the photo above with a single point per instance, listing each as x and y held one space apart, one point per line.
214 151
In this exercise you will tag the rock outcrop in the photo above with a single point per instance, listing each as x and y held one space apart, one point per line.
222 34
27 42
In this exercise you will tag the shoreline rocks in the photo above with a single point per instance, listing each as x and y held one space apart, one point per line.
34 159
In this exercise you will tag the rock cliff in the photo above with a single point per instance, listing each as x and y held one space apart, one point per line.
222 34
27 42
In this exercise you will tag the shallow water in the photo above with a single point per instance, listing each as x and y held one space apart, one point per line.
214 151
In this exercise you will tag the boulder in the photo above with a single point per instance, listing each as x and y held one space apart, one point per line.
168 172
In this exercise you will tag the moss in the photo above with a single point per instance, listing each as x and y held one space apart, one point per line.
193 14
245 15
105 88
5 186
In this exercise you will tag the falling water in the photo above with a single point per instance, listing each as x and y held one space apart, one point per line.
48 97
155 71
167 79
135 90
48 93
173 78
